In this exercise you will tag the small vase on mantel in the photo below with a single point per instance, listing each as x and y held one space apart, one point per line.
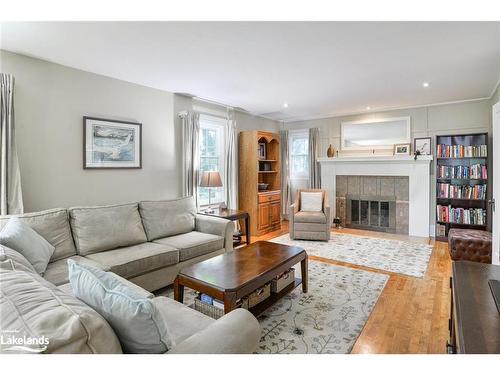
330 152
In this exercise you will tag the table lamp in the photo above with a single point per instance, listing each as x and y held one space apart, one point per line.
210 180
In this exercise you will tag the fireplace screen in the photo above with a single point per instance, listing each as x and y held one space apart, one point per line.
375 213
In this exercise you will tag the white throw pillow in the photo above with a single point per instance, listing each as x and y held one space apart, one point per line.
135 319
21 237
311 201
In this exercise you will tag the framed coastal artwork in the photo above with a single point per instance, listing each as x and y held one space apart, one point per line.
111 144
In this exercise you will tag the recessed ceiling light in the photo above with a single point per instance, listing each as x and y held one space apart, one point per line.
425 84
285 105
368 108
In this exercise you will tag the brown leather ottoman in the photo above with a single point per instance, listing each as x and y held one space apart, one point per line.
470 244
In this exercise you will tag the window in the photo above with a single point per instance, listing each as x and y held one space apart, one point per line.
211 151
299 154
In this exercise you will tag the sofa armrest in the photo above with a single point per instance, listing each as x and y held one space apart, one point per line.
217 226
235 333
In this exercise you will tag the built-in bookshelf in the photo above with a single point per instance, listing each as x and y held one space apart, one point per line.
461 182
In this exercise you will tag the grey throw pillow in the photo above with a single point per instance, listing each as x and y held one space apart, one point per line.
135 319
21 237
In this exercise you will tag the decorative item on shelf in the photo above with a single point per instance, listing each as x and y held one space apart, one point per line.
337 153
262 150
330 152
402 149
337 222
422 145
262 186
417 154
223 206
111 144
210 180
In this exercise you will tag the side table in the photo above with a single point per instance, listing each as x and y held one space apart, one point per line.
233 215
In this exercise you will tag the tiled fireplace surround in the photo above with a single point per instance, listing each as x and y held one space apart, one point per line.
374 187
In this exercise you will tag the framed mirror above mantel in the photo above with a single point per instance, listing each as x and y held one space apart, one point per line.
375 134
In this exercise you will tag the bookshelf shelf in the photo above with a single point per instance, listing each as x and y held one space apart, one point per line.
461 168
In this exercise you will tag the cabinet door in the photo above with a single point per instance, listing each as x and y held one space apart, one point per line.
275 212
264 216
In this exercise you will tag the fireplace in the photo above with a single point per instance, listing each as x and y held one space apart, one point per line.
371 212
378 203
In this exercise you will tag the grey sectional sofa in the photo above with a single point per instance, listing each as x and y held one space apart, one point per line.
146 243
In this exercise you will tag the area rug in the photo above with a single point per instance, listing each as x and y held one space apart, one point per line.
326 320
402 257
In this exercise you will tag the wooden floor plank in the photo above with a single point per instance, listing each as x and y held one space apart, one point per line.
411 315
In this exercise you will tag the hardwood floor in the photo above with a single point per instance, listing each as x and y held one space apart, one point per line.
411 315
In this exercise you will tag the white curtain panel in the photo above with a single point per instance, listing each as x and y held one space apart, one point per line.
286 198
314 170
11 197
231 175
190 156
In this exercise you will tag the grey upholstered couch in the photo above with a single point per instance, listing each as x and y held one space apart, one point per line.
146 243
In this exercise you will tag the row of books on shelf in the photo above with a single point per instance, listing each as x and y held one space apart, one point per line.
449 214
475 171
461 191
461 151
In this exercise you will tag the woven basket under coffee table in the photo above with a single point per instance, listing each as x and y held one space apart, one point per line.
232 276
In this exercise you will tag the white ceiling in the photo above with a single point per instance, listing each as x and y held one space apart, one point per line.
319 68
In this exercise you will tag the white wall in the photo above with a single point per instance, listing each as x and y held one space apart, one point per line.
50 102
464 117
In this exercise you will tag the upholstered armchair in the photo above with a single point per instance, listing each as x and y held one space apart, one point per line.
310 225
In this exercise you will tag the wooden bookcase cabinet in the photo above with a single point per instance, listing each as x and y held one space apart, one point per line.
264 207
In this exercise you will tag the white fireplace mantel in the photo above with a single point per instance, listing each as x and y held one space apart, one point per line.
418 172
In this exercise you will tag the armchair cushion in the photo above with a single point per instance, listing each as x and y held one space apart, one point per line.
310 217
311 201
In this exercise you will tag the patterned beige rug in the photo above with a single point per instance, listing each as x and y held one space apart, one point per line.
326 320
402 257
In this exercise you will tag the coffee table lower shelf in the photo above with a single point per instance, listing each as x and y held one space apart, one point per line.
273 298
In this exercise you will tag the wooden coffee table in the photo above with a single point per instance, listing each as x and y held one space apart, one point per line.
231 276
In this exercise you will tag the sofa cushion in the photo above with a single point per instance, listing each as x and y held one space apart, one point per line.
309 217
311 201
103 228
33 307
53 225
57 272
193 244
19 236
19 261
168 218
135 320
136 260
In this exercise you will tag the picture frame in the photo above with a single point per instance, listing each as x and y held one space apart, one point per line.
402 149
111 144
262 151
423 145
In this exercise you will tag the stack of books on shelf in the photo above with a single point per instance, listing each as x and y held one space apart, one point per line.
461 151
449 214
461 191
476 171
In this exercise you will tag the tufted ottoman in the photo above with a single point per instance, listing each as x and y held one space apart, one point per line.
470 244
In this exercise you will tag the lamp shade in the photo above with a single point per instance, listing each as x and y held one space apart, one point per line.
210 179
